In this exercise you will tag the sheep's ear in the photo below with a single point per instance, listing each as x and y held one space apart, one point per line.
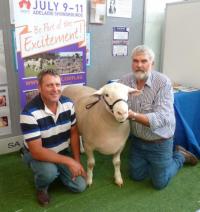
134 91
98 92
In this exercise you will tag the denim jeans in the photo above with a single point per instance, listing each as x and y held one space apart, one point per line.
156 161
45 173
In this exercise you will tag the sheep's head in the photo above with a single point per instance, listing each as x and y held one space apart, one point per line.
115 96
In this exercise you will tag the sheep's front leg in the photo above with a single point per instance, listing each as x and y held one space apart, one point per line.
90 166
117 174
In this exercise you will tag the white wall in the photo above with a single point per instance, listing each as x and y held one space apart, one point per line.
153 26
181 43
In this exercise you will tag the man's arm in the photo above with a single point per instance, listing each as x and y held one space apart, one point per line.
75 146
75 143
161 120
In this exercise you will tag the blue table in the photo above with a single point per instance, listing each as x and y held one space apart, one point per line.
187 112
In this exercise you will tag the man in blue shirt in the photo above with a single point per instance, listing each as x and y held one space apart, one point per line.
48 124
152 122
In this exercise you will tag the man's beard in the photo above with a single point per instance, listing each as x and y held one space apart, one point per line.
141 75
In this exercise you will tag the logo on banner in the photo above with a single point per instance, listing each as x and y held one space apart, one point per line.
45 7
25 4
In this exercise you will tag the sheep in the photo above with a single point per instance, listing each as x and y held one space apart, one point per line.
102 122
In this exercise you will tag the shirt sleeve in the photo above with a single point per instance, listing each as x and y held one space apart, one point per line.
29 127
162 119
73 116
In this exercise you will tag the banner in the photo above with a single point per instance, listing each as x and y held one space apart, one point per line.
5 123
49 34
3 73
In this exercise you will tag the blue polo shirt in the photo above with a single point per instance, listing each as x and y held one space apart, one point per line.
37 121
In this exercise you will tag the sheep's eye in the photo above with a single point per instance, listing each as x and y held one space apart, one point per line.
106 95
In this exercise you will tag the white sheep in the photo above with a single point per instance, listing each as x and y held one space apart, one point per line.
102 122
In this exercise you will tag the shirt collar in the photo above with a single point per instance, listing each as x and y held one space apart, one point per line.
48 111
58 111
149 80
44 107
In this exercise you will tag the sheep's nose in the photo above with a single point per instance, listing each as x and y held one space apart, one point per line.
121 113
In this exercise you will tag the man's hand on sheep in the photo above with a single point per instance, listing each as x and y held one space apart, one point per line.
132 115
138 117
76 169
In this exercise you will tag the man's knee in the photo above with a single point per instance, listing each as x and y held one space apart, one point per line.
137 176
50 176
159 185
79 185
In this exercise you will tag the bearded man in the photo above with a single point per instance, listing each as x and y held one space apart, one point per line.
152 122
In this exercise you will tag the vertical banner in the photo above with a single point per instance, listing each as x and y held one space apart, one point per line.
3 73
5 123
49 34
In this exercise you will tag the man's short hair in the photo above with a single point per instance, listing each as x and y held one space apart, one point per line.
44 72
142 49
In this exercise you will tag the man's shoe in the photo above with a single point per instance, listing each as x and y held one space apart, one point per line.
189 157
43 198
